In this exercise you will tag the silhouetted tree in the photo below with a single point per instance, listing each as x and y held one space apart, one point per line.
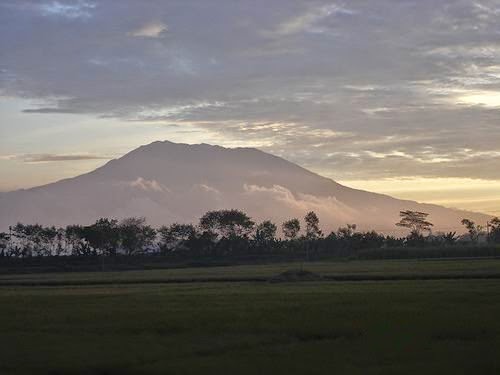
415 221
76 241
348 238
203 243
473 229
4 243
135 235
32 239
227 223
232 226
50 241
265 233
291 228
449 238
176 236
391 241
372 240
103 235
494 230
347 231
221 232
415 239
312 226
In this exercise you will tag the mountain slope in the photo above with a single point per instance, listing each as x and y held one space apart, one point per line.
168 182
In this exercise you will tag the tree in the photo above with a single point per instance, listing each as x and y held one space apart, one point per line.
494 230
228 224
348 238
4 243
135 235
265 233
230 227
415 221
473 229
415 239
391 241
175 236
347 231
103 235
50 240
291 228
312 226
32 239
372 240
449 238
75 239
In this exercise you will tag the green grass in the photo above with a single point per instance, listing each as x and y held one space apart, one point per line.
360 328
356 269
404 327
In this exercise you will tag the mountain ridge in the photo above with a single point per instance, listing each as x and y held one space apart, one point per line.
168 182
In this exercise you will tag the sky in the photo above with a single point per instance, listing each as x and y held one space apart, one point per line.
394 96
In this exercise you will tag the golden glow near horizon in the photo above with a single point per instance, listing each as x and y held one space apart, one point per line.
483 98
463 193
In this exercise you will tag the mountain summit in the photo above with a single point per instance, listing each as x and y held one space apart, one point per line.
169 182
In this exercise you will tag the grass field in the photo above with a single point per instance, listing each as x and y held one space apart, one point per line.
369 327
355 270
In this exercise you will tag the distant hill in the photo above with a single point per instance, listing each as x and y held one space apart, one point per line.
168 182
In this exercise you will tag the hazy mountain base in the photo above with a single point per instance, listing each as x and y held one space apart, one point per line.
168 182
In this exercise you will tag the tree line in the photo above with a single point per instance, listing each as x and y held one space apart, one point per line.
227 232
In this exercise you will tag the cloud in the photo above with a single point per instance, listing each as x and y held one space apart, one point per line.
150 30
46 158
8 157
148 185
50 110
278 199
308 21
482 98
348 89
71 10
207 189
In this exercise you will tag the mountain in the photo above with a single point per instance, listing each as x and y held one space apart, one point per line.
168 182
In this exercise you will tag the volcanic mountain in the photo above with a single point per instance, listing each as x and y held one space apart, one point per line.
168 182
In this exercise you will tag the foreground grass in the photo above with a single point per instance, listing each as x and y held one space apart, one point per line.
405 327
356 269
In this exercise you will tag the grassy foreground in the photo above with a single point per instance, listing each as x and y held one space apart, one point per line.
345 270
403 327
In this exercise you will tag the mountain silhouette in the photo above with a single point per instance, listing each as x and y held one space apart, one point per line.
170 182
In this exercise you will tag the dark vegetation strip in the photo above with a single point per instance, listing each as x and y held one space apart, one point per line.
56 264
326 278
232 233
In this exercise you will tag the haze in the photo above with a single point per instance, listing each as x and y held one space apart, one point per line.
400 97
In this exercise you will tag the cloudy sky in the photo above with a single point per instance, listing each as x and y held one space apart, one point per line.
395 96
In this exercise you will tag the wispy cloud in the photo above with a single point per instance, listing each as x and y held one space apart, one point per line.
397 77
67 9
150 30
45 158
50 110
308 21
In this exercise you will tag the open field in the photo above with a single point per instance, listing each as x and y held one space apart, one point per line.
410 327
333 270
170 322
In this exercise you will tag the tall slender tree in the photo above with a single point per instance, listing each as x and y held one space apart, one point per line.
312 226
